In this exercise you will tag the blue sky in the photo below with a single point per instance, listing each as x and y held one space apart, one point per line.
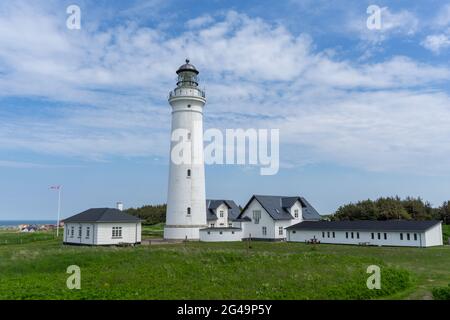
362 113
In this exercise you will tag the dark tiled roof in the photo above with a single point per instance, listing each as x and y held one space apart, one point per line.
242 219
309 212
102 215
211 205
277 207
387 225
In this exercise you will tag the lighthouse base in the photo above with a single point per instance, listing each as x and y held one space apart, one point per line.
183 232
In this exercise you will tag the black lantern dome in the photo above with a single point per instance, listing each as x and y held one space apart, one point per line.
187 75
187 67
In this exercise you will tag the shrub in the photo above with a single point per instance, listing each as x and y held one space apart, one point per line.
442 293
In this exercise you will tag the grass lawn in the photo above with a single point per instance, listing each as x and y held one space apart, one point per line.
154 231
8 237
37 270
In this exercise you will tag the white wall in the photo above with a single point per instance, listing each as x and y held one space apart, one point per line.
281 224
221 222
297 206
130 233
220 235
255 230
101 233
433 236
183 191
393 237
84 239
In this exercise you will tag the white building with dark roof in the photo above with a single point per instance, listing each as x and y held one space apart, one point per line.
401 233
221 216
267 217
102 226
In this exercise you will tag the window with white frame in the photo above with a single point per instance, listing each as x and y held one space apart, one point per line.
221 213
88 232
280 231
256 216
117 232
80 231
188 211
72 232
296 213
415 236
264 231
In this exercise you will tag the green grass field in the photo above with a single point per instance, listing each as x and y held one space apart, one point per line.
154 231
37 270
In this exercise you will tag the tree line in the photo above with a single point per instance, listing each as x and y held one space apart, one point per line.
150 214
393 208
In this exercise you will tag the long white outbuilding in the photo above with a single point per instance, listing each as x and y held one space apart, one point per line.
401 233
102 227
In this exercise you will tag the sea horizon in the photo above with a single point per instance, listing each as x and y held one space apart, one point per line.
9 223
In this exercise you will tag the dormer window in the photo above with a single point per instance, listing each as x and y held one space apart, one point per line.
296 213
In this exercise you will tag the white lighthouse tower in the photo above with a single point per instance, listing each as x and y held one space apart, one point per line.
186 203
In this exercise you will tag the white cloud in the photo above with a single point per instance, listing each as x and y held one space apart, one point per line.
200 21
436 42
110 87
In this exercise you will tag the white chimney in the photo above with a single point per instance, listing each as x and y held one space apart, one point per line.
120 206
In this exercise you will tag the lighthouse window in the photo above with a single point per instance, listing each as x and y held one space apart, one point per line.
189 211
189 106
189 173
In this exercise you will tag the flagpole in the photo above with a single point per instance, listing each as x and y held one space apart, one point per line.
59 211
